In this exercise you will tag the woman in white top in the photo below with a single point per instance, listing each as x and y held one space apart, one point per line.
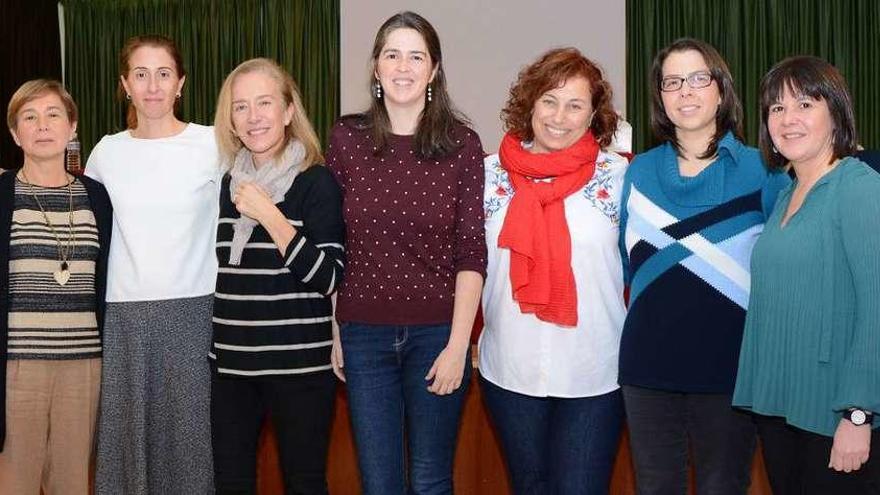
154 432
553 300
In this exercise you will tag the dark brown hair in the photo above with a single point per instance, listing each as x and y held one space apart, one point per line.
728 117
132 44
435 134
550 71
816 78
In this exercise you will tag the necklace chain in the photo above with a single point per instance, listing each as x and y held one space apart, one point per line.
64 252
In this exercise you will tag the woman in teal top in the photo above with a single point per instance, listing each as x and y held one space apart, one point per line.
810 360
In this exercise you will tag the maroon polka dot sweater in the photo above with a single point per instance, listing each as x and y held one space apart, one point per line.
412 224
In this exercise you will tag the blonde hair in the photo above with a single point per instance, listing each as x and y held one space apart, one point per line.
34 89
299 128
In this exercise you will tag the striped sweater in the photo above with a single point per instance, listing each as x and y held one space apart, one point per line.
48 320
100 205
687 242
273 313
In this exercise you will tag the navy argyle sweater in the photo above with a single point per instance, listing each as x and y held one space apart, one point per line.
686 243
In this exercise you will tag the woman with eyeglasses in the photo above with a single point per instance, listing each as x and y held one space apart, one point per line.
692 209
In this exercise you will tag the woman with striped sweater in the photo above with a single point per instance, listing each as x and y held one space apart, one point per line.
54 241
279 245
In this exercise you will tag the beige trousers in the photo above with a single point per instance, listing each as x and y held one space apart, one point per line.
51 407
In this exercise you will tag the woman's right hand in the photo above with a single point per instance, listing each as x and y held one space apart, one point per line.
336 359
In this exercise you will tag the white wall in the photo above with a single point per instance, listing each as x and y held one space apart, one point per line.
485 44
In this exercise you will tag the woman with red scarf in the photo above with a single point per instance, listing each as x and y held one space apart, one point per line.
553 300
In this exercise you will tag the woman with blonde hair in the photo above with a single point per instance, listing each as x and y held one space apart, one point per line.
279 244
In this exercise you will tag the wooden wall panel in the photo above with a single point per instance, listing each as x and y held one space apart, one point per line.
479 467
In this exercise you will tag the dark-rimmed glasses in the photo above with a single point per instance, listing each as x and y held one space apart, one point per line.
696 80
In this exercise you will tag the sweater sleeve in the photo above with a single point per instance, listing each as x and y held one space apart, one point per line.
470 230
316 253
859 378
335 160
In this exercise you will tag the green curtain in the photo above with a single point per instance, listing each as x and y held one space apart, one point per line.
752 35
213 36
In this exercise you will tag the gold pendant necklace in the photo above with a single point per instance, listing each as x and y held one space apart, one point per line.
62 275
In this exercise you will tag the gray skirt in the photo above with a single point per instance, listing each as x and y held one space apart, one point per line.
154 425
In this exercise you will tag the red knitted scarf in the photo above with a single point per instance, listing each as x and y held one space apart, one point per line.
535 229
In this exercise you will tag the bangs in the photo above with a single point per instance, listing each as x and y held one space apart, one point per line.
799 81
817 79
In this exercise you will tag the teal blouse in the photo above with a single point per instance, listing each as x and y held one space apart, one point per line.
811 346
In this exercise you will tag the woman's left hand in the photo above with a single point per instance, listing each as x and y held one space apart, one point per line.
251 200
851 448
447 371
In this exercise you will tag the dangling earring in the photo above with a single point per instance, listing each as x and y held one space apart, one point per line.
429 92
378 90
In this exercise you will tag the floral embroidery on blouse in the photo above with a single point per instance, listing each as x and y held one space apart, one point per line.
601 190
498 188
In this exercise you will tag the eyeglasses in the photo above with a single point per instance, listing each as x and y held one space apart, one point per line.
696 80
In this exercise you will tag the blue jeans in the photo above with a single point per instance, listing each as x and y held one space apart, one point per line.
385 368
554 445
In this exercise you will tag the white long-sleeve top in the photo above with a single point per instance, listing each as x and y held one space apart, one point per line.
165 206
521 353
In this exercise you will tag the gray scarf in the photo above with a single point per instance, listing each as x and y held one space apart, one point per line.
275 177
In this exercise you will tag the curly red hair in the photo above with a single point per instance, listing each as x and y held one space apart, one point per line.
551 71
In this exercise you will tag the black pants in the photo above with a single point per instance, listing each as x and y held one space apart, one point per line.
301 409
664 427
797 462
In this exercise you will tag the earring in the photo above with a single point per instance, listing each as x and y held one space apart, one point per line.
178 96
378 90
429 92
127 96
775 151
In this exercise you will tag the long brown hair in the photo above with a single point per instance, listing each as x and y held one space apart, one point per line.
132 44
434 135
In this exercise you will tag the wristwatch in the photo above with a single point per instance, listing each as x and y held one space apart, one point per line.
858 416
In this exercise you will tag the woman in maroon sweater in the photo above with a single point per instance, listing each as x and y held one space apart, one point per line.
412 178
